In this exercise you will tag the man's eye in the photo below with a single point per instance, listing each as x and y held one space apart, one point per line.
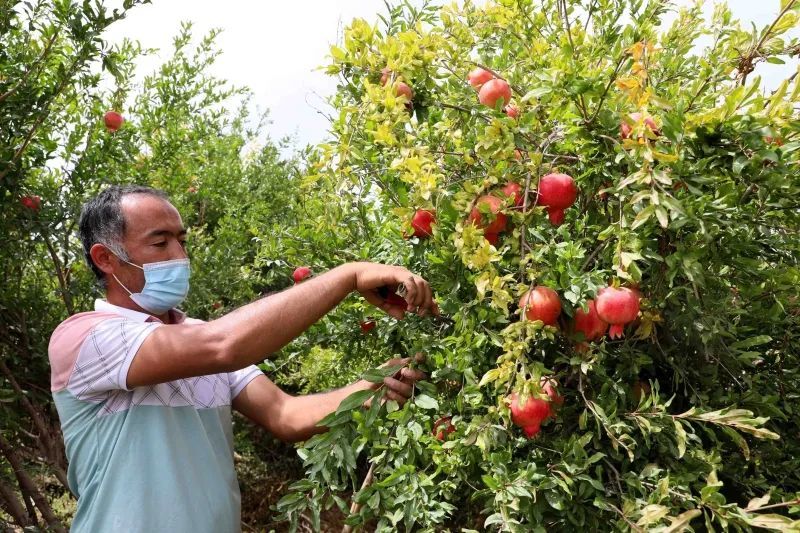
160 244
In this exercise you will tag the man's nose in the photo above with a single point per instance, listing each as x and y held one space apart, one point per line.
177 251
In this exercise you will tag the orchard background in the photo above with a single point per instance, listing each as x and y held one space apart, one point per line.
686 170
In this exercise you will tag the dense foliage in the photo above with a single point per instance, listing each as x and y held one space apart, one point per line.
687 171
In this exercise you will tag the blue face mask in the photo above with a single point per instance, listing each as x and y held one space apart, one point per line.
166 285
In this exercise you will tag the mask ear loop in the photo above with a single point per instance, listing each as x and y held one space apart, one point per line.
118 281
121 285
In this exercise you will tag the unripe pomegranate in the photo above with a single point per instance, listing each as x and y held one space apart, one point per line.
422 222
495 204
495 91
557 192
617 306
529 414
113 121
478 76
589 323
541 303
512 111
443 427
625 128
301 274
514 189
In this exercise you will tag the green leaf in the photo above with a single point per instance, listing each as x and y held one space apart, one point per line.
377 375
493 519
680 435
681 522
355 400
423 401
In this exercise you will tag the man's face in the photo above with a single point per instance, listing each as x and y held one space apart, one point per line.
153 232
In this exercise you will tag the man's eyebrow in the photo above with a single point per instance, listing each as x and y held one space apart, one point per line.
162 232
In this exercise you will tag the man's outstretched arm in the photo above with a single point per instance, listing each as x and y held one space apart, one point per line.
251 333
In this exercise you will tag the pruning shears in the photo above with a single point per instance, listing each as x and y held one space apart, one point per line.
394 297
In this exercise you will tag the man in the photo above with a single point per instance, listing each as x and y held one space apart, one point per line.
144 393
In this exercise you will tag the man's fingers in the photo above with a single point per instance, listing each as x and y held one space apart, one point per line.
395 385
412 375
396 397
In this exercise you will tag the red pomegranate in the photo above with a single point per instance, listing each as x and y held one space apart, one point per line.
32 202
443 427
403 89
422 222
301 274
532 430
479 219
550 387
626 128
367 326
541 303
478 76
777 141
512 111
113 121
589 322
617 306
557 192
494 91
514 189
493 238
530 414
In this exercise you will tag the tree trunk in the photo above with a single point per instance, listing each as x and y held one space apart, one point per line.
12 506
28 487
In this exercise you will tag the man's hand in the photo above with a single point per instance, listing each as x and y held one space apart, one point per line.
400 387
369 277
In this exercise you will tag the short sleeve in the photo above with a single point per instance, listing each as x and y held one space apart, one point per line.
106 355
238 380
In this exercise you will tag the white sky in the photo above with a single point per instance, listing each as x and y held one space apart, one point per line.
274 48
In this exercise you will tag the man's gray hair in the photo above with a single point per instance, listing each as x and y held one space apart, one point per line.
102 222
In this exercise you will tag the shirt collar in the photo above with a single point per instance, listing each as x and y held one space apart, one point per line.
177 316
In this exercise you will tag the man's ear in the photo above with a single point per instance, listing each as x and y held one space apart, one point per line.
102 257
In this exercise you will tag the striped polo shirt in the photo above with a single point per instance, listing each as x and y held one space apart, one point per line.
147 459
